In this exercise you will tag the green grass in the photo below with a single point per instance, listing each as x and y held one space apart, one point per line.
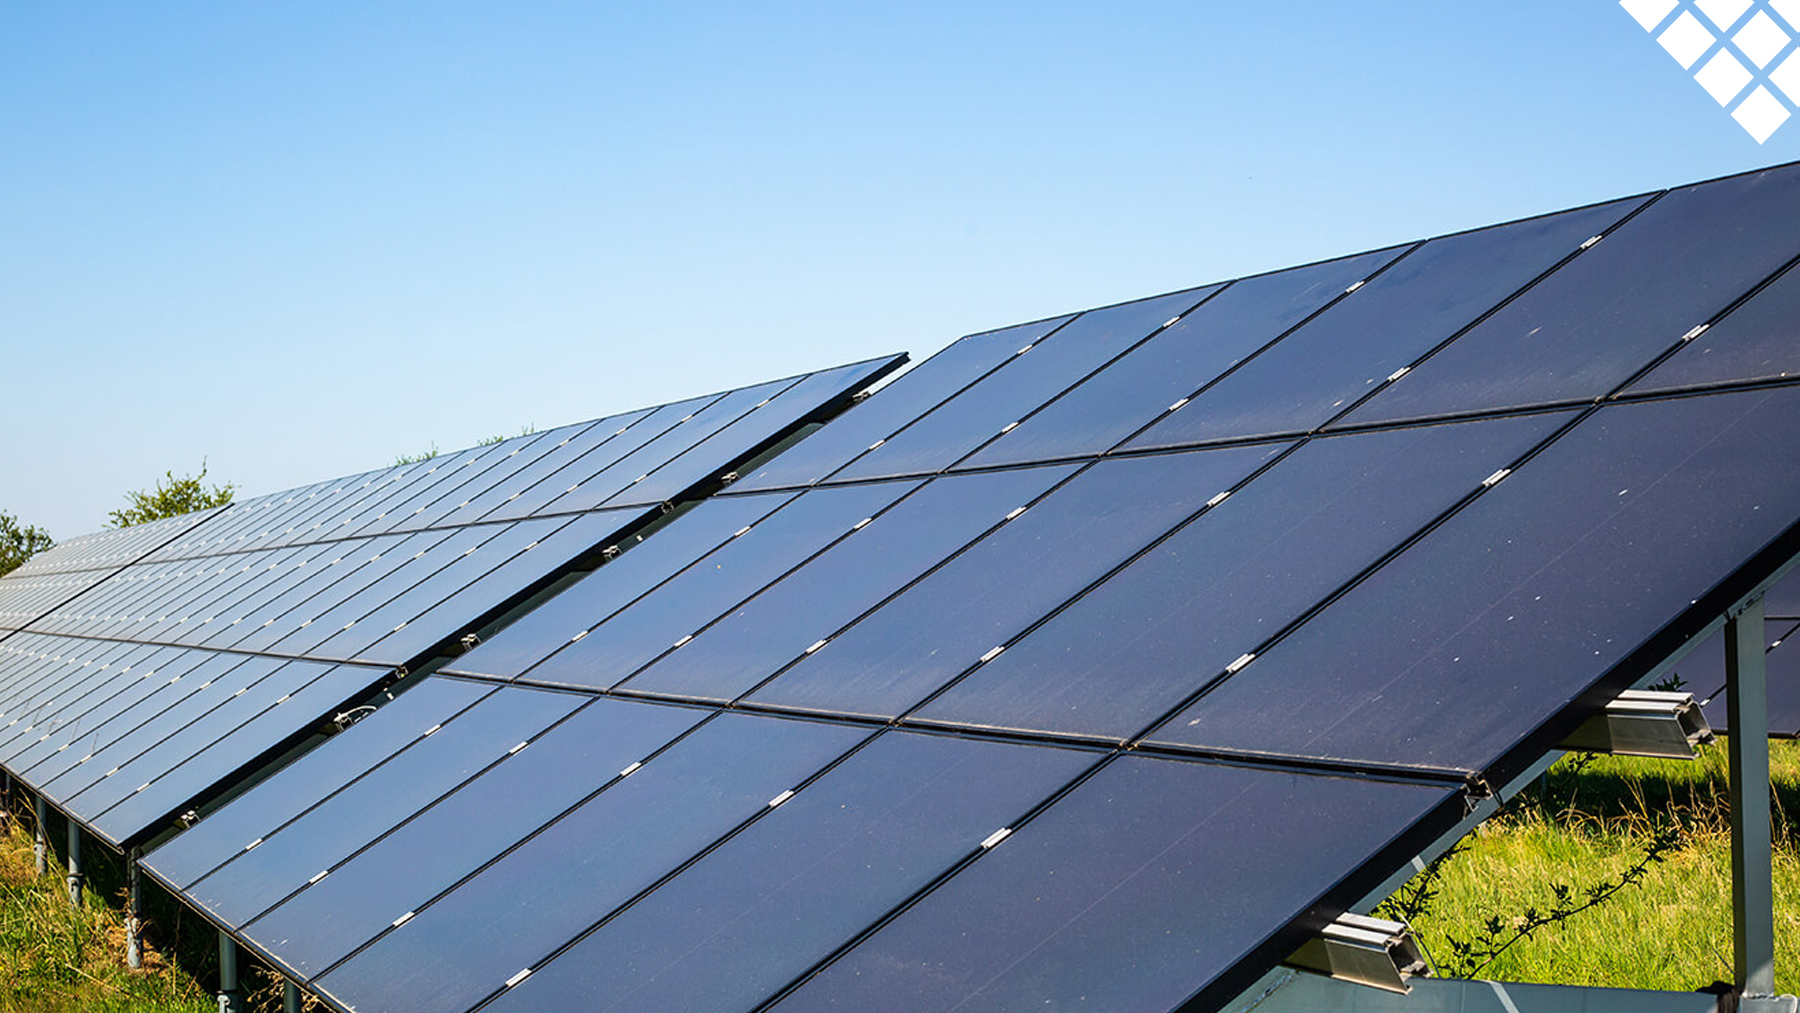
55 958
1583 827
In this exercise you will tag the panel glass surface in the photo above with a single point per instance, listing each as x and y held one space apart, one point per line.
1611 311
1020 387
1321 369
648 430
464 474
202 719
1419 664
1128 395
438 610
637 467
587 864
182 693
911 395
1123 655
82 717
813 603
587 448
740 438
618 583
1115 892
398 566
770 902
144 812
980 600
1759 340
328 919
620 645
308 780
377 802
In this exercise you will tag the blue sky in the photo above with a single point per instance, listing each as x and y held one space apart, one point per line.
296 240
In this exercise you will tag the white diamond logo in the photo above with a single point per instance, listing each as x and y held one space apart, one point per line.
1745 71
1650 13
1761 40
1723 77
1723 13
1686 40
1761 114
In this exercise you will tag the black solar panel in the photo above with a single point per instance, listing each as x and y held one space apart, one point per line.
937 711
211 642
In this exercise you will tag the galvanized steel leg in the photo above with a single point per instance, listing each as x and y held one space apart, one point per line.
290 997
134 900
1752 890
75 878
41 849
231 995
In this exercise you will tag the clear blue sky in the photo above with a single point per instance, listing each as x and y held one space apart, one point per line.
299 239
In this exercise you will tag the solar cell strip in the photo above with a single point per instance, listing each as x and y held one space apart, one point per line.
988 407
1096 894
1421 300
1614 309
1541 566
914 393
1165 372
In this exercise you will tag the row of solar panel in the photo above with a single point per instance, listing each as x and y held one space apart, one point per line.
125 736
1244 573
637 459
1537 312
107 550
291 576
382 600
690 879
1436 601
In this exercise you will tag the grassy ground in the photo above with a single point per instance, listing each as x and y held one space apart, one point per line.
55 958
1584 828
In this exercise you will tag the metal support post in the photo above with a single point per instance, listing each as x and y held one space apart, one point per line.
5 799
75 878
134 902
41 849
231 995
1752 889
290 997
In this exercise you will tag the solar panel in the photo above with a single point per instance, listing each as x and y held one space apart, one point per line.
594 859
1340 356
1180 361
802 611
1098 520
1114 892
999 400
1420 664
936 711
1232 579
1597 322
915 392
1758 340
740 923
282 609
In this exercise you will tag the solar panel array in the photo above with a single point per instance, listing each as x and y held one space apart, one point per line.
1098 660
152 665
